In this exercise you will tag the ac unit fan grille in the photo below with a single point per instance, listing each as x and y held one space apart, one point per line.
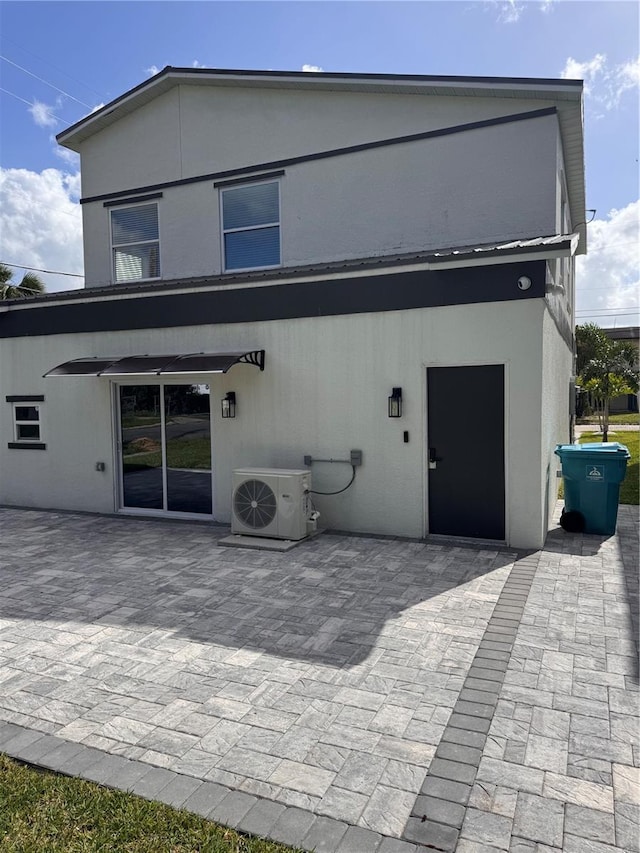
255 504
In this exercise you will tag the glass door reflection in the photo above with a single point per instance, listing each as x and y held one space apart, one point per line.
187 425
165 441
141 446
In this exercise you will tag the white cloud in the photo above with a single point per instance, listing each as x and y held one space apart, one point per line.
71 158
196 64
587 71
546 6
96 108
152 70
41 223
509 11
608 277
604 84
628 75
311 68
42 114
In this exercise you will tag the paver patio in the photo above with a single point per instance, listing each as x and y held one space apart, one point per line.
324 679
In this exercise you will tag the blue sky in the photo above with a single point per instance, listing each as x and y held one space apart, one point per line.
60 60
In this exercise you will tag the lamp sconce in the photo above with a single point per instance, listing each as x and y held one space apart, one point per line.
395 403
229 405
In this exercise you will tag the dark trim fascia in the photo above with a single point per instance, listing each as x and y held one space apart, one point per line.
133 199
25 398
19 445
334 152
283 273
356 295
267 176
354 75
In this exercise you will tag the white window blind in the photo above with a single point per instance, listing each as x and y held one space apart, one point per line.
135 241
251 226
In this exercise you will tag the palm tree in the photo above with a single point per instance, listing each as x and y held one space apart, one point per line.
30 285
606 369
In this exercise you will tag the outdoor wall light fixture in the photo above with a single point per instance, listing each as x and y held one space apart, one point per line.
395 403
229 405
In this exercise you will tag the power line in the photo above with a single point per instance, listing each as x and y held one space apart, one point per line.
610 316
609 287
51 65
32 105
603 311
46 82
75 214
28 103
621 308
37 269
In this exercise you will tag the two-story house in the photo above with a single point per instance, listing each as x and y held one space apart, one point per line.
283 265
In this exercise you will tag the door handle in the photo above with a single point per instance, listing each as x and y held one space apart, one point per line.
433 459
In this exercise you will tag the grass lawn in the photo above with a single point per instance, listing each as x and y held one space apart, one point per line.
45 813
129 421
629 486
194 453
626 418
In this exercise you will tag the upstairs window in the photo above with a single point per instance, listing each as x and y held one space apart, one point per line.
251 226
135 242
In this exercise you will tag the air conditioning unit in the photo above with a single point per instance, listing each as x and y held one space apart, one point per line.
273 502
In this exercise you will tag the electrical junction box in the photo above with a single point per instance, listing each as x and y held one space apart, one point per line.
356 458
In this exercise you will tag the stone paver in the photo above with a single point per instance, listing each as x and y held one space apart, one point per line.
292 677
353 694
559 766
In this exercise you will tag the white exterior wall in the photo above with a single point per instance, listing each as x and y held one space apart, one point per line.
557 362
324 391
199 129
493 183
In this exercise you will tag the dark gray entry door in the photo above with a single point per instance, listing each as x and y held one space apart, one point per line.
466 451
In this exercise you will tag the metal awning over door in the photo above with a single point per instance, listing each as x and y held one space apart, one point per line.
158 365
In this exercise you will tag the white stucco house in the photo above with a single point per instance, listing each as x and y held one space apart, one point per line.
270 257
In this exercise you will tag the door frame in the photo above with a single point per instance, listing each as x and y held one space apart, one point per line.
118 479
487 362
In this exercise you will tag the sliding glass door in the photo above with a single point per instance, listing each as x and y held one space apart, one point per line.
165 448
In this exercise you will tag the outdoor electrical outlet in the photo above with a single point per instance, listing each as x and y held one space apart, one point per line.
356 458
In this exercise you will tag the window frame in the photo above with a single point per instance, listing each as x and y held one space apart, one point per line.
17 423
224 231
26 401
113 246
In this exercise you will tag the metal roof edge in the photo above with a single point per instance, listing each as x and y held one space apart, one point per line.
502 252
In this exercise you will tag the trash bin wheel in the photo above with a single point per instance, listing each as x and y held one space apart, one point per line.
572 521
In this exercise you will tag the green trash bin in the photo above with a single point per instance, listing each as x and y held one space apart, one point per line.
592 474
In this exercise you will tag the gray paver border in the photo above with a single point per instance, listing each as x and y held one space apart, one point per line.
438 812
262 817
